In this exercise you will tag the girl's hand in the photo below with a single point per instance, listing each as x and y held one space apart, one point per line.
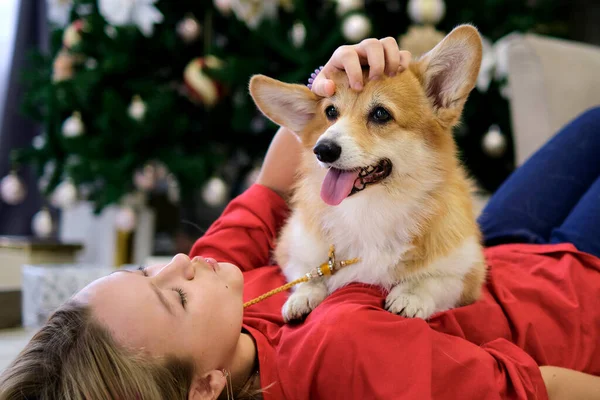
382 56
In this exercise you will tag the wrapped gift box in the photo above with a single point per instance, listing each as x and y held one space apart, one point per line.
47 286
14 253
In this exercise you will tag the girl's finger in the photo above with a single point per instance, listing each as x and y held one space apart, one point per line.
322 86
351 64
375 56
392 55
405 59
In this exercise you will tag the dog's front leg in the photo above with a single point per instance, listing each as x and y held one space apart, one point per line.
307 296
420 298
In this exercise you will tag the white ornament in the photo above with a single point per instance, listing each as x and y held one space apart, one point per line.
356 27
59 11
173 191
298 34
189 29
345 6
41 223
253 12
65 195
145 179
110 31
426 11
39 142
224 6
125 220
214 192
494 142
12 189
142 13
91 63
137 108
73 126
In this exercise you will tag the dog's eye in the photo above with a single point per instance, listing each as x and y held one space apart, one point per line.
380 114
331 112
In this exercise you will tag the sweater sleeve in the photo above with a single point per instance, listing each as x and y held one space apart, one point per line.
378 357
245 233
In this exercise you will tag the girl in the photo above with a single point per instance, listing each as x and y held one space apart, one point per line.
179 331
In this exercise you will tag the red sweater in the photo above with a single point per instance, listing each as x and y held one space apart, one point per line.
539 307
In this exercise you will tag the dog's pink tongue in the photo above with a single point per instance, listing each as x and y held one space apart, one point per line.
337 185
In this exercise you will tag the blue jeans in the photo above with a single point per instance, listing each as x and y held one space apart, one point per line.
555 196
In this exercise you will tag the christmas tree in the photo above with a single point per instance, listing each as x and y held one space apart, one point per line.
150 95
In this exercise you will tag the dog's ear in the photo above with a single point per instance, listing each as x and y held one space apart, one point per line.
288 105
449 71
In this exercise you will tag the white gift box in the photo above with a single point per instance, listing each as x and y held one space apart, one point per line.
46 286
98 233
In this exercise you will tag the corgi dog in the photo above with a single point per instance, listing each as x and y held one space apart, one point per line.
380 180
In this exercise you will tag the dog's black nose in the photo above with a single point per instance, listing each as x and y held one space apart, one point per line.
327 151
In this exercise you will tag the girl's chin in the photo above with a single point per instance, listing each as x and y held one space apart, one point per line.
233 275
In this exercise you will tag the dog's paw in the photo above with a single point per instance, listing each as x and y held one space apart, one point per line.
410 303
303 301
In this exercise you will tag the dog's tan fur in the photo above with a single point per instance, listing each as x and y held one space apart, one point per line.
415 231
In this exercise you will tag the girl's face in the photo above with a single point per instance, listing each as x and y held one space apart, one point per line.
185 308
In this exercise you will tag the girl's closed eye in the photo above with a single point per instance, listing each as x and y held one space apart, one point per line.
143 269
182 296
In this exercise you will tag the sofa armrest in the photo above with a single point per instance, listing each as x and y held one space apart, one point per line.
550 82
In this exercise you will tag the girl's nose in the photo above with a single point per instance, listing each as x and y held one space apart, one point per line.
180 266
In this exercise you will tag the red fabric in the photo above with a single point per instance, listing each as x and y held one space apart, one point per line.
538 307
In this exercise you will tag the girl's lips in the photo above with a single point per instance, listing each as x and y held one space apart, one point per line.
213 263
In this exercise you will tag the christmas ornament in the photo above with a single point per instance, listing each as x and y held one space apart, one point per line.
356 27
345 6
125 220
161 170
287 5
202 88
173 192
189 29
39 142
145 179
419 39
224 6
91 63
258 124
214 192
426 11
12 189
142 13
73 126
253 12
72 35
110 31
59 11
41 223
494 142
298 34
137 108
63 66
65 195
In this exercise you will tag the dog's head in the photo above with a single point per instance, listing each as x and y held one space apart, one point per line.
395 128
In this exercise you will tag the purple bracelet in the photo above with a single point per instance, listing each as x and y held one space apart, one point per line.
313 76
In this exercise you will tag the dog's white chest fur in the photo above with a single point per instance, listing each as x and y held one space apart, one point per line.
369 226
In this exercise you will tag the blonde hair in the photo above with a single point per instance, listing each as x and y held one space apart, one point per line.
74 358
